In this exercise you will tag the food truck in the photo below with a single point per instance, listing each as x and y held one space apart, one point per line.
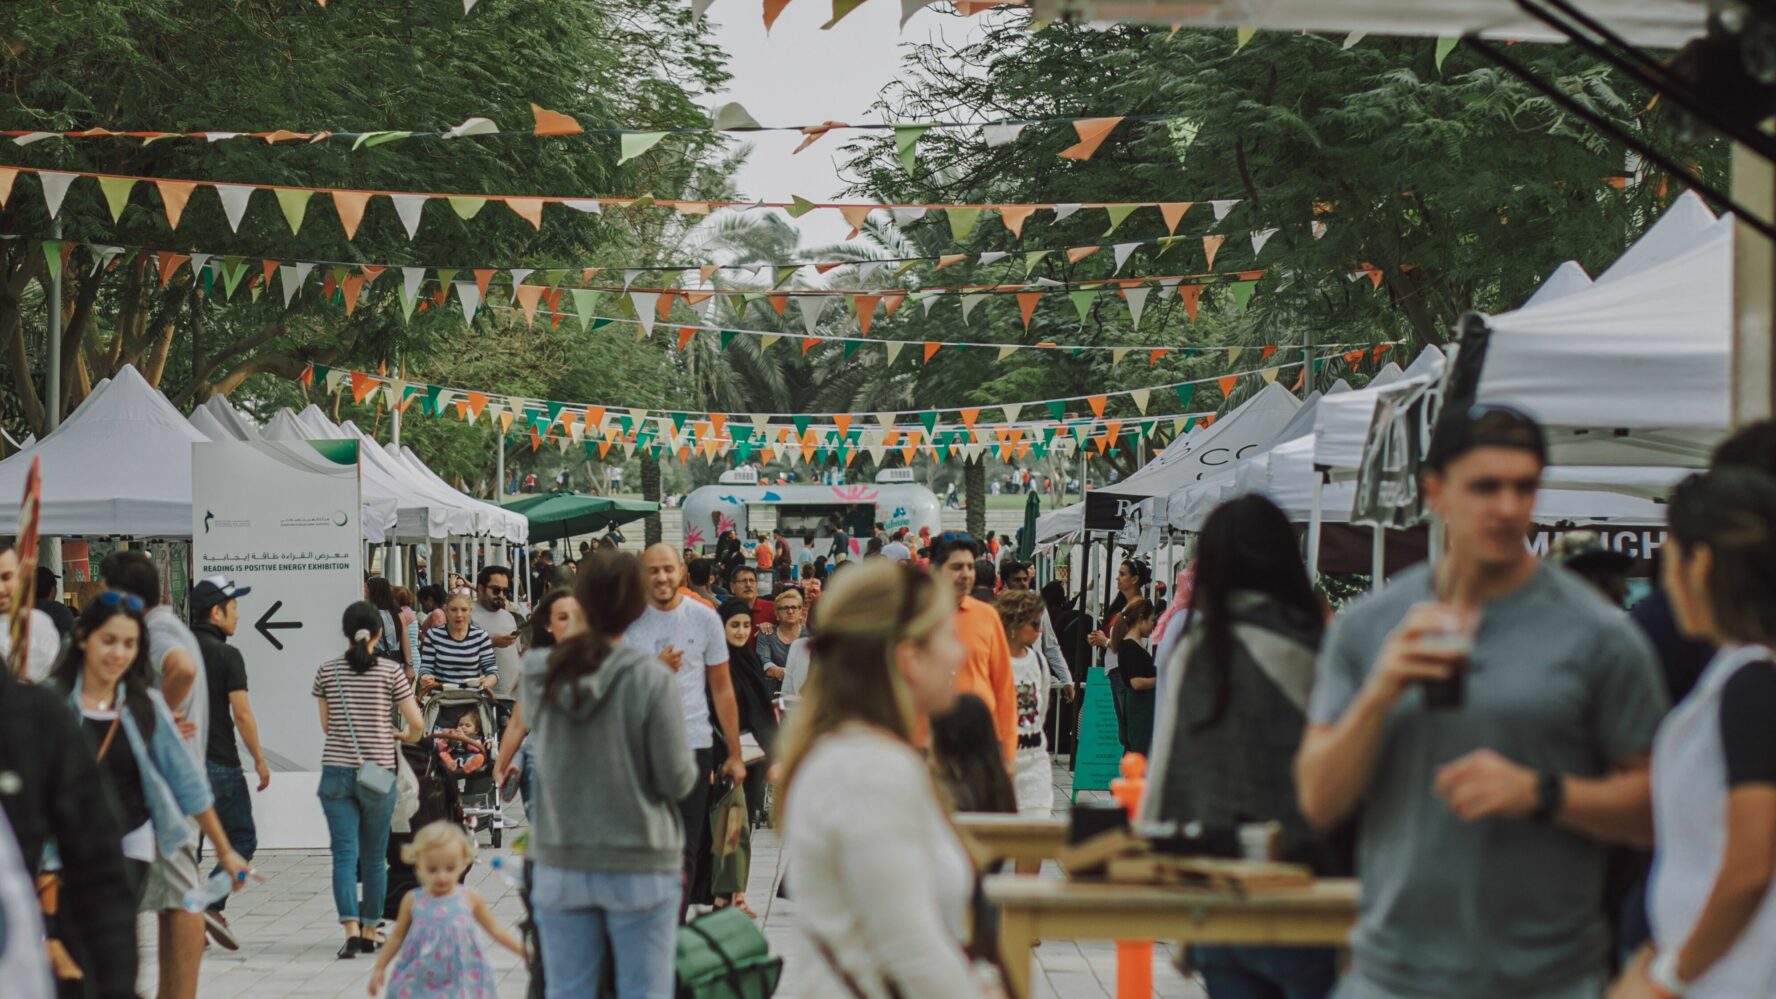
894 500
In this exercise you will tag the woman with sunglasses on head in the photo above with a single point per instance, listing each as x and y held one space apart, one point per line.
558 617
881 881
358 693
104 673
1711 901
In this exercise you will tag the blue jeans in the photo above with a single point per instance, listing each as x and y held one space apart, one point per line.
234 809
578 911
1266 972
358 824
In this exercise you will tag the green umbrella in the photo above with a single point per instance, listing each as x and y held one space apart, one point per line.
1027 537
554 516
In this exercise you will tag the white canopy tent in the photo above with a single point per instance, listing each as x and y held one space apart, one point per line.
1566 279
118 466
228 418
376 515
1057 524
1187 508
414 521
1342 423
513 527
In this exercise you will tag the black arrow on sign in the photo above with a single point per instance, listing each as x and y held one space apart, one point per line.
265 625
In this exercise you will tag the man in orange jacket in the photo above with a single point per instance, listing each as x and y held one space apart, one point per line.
986 672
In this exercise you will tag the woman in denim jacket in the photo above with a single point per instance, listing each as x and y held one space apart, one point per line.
105 675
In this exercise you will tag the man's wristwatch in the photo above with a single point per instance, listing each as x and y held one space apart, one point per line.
1662 974
1550 795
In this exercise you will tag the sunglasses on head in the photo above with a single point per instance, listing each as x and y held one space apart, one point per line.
130 602
951 536
463 591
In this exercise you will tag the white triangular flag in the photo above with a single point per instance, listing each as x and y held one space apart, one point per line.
886 420
1002 135
630 275
1118 353
409 207
472 126
927 302
1140 397
198 262
55 188
30 137
812 305
1122 251
219 136
1137 300
1063 210
469 5
1012 409
469 297
411 277
234 202
291 277
645 302
968 304
731 116
993 256
589 205
698 7
868 268
906 216
102 255
1223 207
1352 39
1261 237
907 9
1005 352
894 349
518 276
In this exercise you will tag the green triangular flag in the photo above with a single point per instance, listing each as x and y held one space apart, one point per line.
654 451
724 338
598 324
1184 394
850 348
929 418
584 300
1242 36
1058 410
378 138
52 255
962 221
555 277
1031 259
905 138
626 422
1082 300
1190 424
1117 213
636 143
1445 45
678 423
233 269
798 206
554 409
295 205
784 273
466 208
117 191
1242 293
591 449
801 423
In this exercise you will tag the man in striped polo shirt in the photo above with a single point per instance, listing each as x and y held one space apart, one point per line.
459 653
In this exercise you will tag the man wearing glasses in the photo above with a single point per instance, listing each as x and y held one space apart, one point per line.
494 585
1494 718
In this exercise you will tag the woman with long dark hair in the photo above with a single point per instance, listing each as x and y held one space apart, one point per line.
614 760
1128 636
357 694
1236 690
104 673
1711 899
966 757
556 619
393 643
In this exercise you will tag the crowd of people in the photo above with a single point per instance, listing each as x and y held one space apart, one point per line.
1490 743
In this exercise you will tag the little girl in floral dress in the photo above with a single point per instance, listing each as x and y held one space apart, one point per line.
434 948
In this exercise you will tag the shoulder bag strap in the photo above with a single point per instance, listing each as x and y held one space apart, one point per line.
845 979
345 709
110 734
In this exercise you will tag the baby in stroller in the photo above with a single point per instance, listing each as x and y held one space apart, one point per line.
460 749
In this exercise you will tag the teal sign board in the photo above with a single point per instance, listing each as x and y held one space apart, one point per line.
1098 759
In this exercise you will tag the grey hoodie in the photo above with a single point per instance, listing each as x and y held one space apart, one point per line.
610 768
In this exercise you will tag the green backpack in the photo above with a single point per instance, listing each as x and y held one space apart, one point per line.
723 955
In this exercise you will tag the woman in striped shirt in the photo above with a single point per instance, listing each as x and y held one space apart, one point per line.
459 654
358 693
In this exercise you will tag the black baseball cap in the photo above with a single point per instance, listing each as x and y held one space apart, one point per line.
214 591
1484 425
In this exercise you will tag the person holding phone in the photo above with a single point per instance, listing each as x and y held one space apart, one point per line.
490 614
1493 718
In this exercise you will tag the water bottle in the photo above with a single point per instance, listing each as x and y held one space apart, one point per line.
214 890
506 871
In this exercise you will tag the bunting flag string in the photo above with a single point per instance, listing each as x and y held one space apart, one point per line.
773 8
475 403
351 203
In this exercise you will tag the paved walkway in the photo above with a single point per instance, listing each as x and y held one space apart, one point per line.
288 936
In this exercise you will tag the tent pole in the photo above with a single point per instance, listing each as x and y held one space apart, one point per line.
499 474
1313 527
1377 556
51 552
1754 301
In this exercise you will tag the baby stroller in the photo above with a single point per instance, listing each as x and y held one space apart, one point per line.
438 802
470 762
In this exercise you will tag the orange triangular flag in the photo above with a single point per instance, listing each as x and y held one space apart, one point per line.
1265 354
685 333
528 209
1353 358
866 312
170 262
528 296
892 303
772 9
778 303
173 196
594 417
857 215
1374 277
1173 212
1191 294
807 345
1077 253
604 448
1112 428
1014 216
554 122
350 206
1092 133
1211 244
482 276
843 422
1381 351
718 421
1096 403
663 304
1226 383
362 384
349 288
949 259
1027 305
931 347
268 266
969 416
477 402
1158 352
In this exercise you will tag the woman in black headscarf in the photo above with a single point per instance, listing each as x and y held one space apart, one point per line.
752 695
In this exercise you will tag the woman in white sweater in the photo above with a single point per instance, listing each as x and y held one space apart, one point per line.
880 881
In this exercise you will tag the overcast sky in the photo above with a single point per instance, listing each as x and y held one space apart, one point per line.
798 75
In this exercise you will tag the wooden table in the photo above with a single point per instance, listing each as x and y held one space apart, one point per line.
1032 909
1026 842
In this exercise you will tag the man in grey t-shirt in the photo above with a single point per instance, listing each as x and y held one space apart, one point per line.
1483 814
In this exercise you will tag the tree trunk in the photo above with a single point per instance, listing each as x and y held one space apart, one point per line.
974 481
650 490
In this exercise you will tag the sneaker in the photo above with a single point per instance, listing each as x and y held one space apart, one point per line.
216 928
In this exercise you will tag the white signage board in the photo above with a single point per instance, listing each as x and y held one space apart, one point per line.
281 517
